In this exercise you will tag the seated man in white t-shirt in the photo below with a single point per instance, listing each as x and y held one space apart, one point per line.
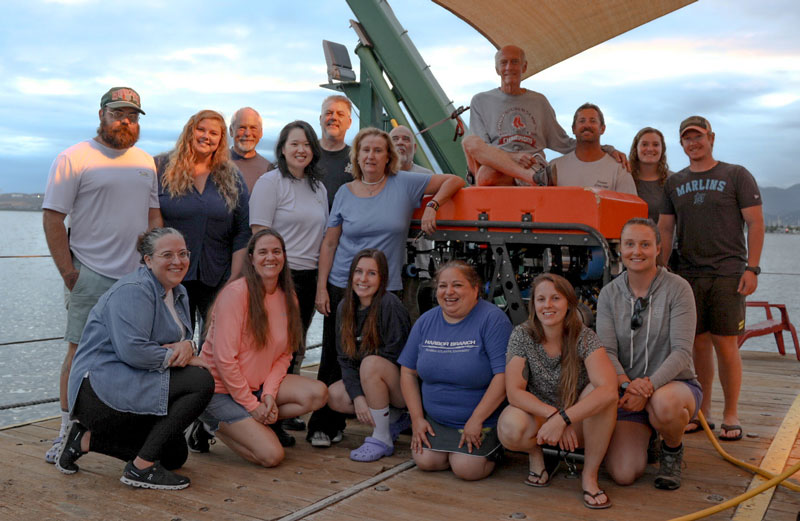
589 165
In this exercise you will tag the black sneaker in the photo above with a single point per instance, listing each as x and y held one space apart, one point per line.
286 439
669 473
70 449
155 476
197 437
294 424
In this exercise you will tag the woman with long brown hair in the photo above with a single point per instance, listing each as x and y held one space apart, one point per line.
203 195
373 327
561 388
648 160
254 329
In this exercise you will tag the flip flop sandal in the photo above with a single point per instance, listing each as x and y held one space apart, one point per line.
596 506
538 484
373 449
729 428
699 426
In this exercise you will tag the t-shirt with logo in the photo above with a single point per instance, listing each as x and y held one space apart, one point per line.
710 226
517 123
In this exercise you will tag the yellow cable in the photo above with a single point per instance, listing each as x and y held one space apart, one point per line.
752 468
774 480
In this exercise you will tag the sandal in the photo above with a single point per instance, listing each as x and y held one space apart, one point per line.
729 428
698 426
538 476
373 449
596 506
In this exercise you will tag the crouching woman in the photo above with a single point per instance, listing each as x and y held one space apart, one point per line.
561 388
254 328
136 383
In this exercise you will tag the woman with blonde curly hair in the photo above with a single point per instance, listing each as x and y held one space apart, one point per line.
203 195
648 160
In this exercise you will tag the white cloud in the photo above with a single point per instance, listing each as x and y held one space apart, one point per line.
778 99
198 54
36 86
12 145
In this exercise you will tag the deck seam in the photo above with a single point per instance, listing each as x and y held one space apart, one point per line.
346 493
774 461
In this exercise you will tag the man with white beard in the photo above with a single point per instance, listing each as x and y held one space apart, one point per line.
108 188
246 131
406 146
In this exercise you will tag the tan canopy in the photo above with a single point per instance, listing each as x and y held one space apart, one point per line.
550 31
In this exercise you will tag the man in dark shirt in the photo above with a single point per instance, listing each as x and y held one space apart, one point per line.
246 132
335 161
710 202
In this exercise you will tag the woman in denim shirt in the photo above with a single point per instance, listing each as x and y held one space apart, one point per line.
135 383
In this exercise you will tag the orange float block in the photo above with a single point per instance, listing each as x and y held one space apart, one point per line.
604 210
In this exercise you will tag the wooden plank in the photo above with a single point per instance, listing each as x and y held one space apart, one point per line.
774 461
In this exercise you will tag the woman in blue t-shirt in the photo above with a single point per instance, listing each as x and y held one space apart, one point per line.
561 388
372 211
452 377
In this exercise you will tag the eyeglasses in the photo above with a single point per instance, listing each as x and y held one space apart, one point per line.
119 115
636 318
168 255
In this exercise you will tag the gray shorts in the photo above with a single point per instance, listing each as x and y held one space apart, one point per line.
223 408
88 289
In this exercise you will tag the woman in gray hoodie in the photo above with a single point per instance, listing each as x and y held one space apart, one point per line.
646 321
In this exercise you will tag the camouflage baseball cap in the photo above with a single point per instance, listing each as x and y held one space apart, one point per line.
118 97
698 123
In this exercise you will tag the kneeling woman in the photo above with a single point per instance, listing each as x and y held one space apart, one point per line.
373 327
561 387
457 351
254 328
136 383
646 318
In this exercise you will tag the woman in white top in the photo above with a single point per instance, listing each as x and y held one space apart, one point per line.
293 201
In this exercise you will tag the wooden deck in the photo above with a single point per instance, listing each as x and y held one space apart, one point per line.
323 484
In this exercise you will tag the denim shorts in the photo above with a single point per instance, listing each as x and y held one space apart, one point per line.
87 290
644 418
223 408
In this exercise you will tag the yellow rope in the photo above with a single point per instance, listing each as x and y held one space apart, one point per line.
774 480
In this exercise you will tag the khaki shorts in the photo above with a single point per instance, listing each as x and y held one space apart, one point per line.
720 308
88 289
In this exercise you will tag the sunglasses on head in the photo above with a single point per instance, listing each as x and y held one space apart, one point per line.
636 318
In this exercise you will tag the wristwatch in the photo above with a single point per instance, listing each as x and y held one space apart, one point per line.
755 269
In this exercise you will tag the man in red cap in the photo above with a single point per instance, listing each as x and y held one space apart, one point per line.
710 202
108 188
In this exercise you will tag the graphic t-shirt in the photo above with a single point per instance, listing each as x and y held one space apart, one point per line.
456 362
710 227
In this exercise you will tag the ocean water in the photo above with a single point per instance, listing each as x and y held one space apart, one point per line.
32 307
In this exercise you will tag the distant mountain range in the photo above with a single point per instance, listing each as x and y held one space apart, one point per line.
781 205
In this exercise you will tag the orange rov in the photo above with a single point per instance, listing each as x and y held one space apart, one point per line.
512 234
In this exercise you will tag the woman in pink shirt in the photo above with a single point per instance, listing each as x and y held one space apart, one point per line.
254 329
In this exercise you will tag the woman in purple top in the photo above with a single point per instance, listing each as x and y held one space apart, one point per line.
372 211
203 195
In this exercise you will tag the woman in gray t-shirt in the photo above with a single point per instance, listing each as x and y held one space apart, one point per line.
560 383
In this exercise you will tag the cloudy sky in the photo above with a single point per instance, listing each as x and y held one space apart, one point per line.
735 61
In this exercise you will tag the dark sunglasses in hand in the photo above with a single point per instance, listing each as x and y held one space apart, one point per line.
636 318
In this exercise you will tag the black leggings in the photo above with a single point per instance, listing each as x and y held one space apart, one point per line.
125 435
305 286
326 419
201 297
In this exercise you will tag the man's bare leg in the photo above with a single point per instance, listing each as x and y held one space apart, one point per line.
730 377
703 355
492 166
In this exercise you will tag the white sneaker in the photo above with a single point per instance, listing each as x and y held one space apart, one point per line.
52 453
320 439
338 437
